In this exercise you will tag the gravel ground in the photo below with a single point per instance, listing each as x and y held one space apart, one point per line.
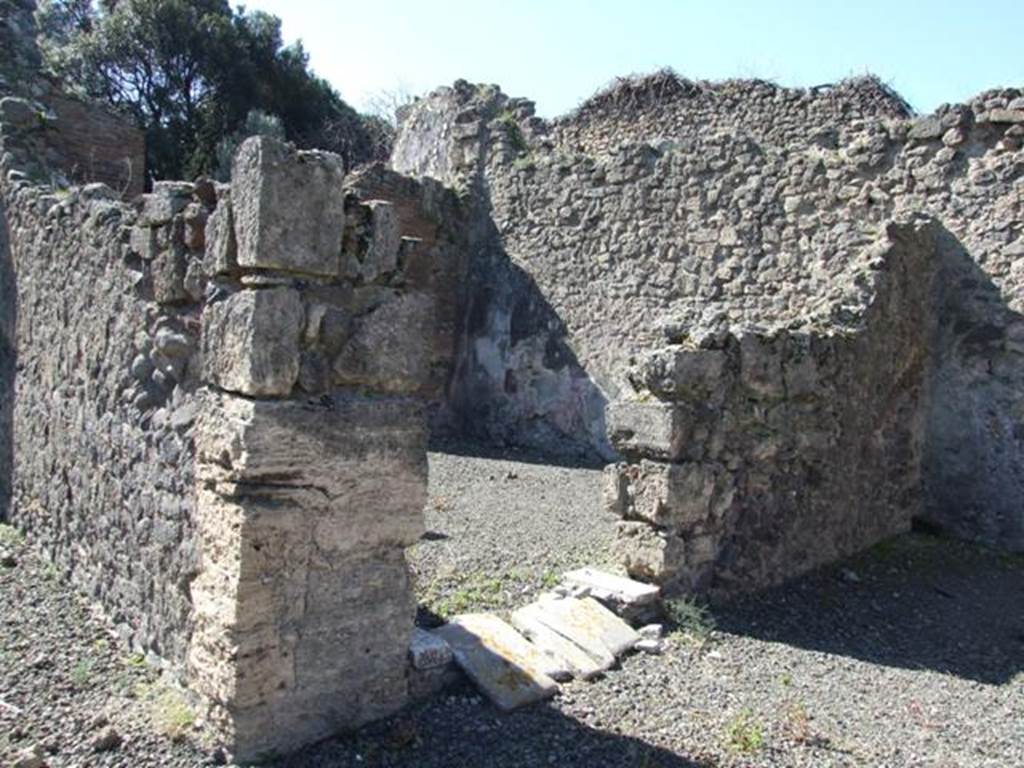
501 528
68 688
910 655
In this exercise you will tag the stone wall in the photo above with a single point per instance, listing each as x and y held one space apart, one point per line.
665 107
668 211
104 409
753 455
8 364
219 421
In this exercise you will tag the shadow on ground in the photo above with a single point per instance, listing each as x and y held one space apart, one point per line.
916 601
464 731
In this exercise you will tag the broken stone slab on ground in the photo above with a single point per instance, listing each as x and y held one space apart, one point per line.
588 624
505 665
583 662
630 599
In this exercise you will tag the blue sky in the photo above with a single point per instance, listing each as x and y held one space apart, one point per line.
558 52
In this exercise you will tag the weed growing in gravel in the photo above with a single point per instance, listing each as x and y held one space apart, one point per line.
170 712
550 579
744 734
474 591
692 620
10 536
797 723
81 673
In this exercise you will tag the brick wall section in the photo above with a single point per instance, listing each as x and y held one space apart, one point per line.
96 145
76 141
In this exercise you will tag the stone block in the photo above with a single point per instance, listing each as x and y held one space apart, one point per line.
645 429
143 241
428 651
617 592
588 624
162 204
382 256
507 668
288 206
1002 116
648 553
195 217
584 662
364 459
684 374
761 366
168 269
388 348
675 496
303 605
221 249
926 129
251 341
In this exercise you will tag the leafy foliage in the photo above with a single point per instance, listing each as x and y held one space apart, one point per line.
191 71
257 123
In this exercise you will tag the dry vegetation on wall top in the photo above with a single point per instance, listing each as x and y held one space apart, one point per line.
644 91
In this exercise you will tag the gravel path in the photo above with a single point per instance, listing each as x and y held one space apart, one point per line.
910 655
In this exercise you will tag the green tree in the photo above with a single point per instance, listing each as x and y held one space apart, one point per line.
191 71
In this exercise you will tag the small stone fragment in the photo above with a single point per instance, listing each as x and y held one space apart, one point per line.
31 757
652 647
651 631
428 651
106 740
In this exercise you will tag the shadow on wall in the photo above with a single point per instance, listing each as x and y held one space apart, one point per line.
8 365
973 465
517 380
912 602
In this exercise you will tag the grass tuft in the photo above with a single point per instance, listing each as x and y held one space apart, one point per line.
692 619
744 734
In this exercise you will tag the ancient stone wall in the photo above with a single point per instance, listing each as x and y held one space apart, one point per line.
752 454
104 409
219 415
746 211
666 108
8 364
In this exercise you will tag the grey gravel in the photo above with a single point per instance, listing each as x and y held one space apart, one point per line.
69 691
917 661
501 526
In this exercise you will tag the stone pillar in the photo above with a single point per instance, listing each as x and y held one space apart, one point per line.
311 458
